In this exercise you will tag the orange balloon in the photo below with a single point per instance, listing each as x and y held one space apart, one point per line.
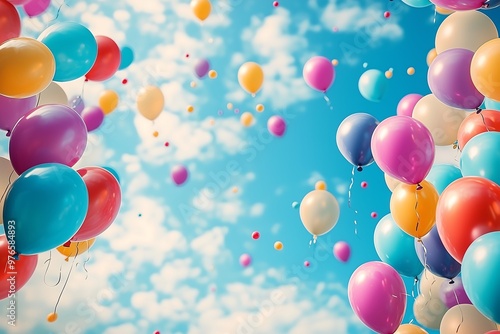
76 248
431 55
108 101
475 124
410 329
484 69
414 210
201 8
251 77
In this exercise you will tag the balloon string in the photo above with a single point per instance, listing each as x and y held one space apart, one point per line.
6 188
435 14
460 308
425 252
83 89
49 261
484 122
86 260
349 200
313 240
416 206
328 102
414 290
66 281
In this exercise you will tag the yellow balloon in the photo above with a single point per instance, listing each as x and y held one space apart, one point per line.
259 108
388 74
76 248
484 69
190 108
246 119
201 8
410 71
251 77
320 185
108 101
414 210
27 67
410 329
150 102
212 74
431 55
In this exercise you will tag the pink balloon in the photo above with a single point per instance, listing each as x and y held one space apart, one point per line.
378 296
407 103
179 174
11 110
342 251
459 4
245 260
93 117
403 148
319 73
18 2
276 126
36 7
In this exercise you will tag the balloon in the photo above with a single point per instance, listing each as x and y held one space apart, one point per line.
467 209
93 118
74 48
276 126
481 269
403 148
245 260
491 104
319 73
484 69
441 176
372 85
201 68
429 312
108 101
417 3
24 268
467 318
319 212
250 77
112 171
377 283
474 124
76 103
7 177
407 103
431 55
410 329
453 294
107 62
391 182
26 67
46 206
53 94
342 251
450 80
481 157
459 4
150 102
104 202
395 247
430 285
444 11
179 174
441 120
354 136
10 22
201 8
465 30
11 110
36 7
126 57
490 4
75 248
18 2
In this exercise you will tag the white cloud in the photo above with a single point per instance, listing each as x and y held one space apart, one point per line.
173 273
210 246
314 177
257 209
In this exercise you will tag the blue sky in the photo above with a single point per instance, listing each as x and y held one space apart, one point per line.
170 260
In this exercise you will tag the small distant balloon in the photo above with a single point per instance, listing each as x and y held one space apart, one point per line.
179 174
155 134
52 317
259 108
374 215
190 108
246 119
192 84
342 251
365 65
335 62
410 71
245 260
307 264
388 74
229 106
276 4
212 74
372 85
320 185
276 126
76 103
295 205
235 190
278 245
201 68
364 184
387 14
255 235
156 332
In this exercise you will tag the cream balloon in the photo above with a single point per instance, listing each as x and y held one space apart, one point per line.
465 30
53 94
7 177
429 312
319 212
391 182
442 121
430 284
150 102
410 329
465 319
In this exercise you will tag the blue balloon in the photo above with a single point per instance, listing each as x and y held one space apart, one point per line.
45 207
441 176
480 273
491 104
127 57
354 137
481 156
396 248
417 3
112 171
74 48
372 85
435 257
490 4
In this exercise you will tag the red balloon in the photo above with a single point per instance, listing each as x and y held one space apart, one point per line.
474 124
104 202
107 61
10 22
468 208
19 2
23 268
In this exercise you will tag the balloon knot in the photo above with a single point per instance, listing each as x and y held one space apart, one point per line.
16 256
360 169
451 282
478 110
419 240
419 186
67 243
8 133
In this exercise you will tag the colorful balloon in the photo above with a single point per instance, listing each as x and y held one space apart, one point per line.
76 103
179 174
319 212
453 294
418 3
150 102
126 57
410 329
372 85
407 103
10 22
467 318
475 124
391 182
491 104
429 312
276 125
484 71
93 118
107 61
201 9
201 68
108 101
318 72
11 110
342 251
75 248
53 94
251 77
245 260
441 176
36 7
459 4
481 157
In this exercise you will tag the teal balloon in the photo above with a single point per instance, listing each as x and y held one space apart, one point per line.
74 48
396 248
481 156
45 207
441 176
491 104
114 172
372 85
127 57
417 3
480 274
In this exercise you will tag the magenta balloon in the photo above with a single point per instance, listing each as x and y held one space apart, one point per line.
276 126
459 4
36 7
406 104
319 73
245 260
453 294
11 110
342 251
403 148
201 68
378 296
450 81
179 174
51 133
93 117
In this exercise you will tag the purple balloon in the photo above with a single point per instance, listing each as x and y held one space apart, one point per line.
407 103
11 110
276 126
36 7
179 174
318 73
459 4
342 251
93 117
201 68
76 102
451 293
378 296
403 148
51 133
450 81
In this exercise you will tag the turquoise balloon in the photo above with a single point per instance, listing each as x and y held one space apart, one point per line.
480 273
418 3
491 104
44 208
112 171
372 85
481 156
396 248
127 57
440 176
74 48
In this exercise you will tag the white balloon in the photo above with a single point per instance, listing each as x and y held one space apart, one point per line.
7 177
430 285
429 312
53 94
319 212
465 319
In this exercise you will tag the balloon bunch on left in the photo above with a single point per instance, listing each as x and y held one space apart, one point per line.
45 203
